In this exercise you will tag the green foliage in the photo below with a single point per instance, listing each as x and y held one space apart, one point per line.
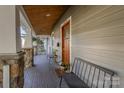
66 66
37 40
34 39
40 41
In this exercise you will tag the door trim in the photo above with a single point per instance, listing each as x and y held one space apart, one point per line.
61 26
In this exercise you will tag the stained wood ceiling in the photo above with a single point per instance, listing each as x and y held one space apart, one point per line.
44 17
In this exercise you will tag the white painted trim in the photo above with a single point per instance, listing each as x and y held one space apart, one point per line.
68 19
6 76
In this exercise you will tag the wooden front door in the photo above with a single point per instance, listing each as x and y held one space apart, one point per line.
66 43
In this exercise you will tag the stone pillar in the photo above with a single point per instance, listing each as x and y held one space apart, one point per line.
28 57
16 63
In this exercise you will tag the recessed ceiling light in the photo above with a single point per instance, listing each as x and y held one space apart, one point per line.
48 15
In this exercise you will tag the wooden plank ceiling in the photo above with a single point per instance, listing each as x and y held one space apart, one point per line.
44 17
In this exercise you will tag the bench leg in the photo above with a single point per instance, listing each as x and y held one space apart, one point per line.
60 82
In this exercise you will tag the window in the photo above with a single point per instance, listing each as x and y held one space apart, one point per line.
23 35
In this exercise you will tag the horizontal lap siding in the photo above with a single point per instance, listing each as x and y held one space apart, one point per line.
98 35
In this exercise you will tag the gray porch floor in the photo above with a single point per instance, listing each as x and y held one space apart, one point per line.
42 75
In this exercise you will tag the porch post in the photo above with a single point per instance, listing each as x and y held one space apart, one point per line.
11 57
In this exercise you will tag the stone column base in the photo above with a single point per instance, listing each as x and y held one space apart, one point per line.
28 57
16 63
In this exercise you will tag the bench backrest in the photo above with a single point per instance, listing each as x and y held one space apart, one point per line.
93 75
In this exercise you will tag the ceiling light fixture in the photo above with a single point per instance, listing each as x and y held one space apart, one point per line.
48 15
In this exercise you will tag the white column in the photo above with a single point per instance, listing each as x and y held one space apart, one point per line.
9 29
6 76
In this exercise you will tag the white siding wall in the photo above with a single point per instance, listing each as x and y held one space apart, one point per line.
97 35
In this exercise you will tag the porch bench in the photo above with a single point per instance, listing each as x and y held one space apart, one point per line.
88 75
74 81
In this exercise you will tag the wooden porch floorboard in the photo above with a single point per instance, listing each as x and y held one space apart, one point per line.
42 75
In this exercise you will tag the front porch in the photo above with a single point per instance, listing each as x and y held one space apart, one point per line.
42 75
93 33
